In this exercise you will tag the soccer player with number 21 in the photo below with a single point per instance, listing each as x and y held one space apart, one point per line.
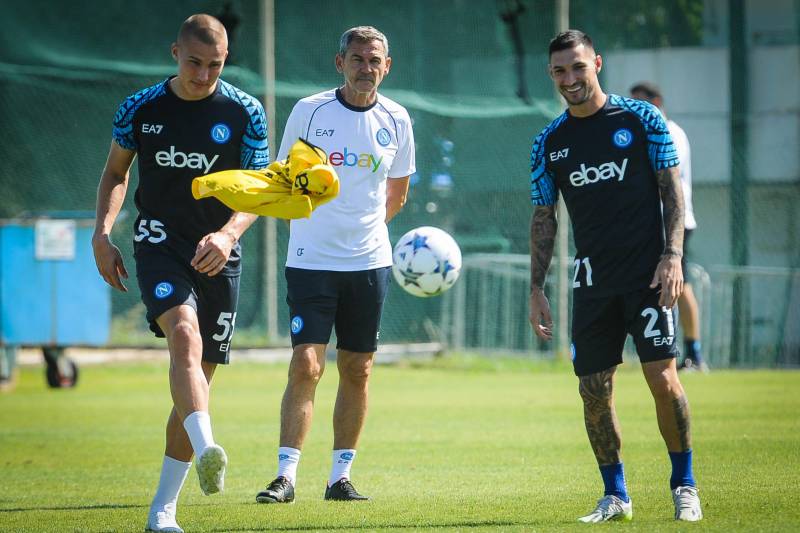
613 162
187 251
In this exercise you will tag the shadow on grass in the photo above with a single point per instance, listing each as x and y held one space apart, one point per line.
77 507
349 527
92 507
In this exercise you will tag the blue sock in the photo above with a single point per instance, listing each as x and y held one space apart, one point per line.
693 350
614 480
682 475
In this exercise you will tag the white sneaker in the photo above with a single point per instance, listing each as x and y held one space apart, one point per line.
687 504
610 508
211 469
163 520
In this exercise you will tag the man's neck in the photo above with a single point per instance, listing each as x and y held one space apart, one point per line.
177 88
356 99
589 107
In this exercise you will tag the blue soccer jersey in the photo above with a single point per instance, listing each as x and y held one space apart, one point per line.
604 166
177 140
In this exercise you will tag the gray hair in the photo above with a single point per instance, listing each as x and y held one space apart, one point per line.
362 34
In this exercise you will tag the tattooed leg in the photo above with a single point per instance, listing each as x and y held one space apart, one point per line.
602 426
672 407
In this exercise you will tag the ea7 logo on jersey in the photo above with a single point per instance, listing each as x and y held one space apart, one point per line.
152 128
183 160
321 132
559 154
606 171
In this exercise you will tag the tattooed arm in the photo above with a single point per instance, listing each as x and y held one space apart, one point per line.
542 238
668 273
602 426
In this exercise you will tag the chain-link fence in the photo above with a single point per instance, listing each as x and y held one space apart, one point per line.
473 76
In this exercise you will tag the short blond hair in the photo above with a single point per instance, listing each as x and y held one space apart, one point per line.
205 28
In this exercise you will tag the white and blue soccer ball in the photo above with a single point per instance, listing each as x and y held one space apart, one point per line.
426 261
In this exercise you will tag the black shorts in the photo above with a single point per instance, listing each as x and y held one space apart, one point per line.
686 234
352 302
600 326
166 281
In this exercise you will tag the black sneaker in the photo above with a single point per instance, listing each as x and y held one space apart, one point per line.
279 491
343 490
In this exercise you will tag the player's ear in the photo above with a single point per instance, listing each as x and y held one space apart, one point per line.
598 62
174 49
339 63
388 65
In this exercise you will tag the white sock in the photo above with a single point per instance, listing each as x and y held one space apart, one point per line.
173 474
287 463
342 461
198 427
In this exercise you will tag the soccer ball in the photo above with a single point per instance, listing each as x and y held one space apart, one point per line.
426 261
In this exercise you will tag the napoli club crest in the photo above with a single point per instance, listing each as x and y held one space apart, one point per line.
383 137
623 138
220 133
297 325
163 290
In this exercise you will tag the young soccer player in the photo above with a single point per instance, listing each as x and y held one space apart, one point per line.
613 162
187 252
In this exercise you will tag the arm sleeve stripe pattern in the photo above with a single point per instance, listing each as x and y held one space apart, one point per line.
543 189
660 147
255 150
122 131
311 118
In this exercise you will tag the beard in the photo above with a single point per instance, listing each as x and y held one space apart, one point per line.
580 97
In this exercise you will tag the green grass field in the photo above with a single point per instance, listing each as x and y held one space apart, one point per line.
454 445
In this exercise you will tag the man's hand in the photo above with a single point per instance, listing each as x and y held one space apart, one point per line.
212 252
539 315
109 262
670 276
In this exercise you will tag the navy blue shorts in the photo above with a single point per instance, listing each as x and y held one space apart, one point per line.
686 234
166 281
352 302
600 326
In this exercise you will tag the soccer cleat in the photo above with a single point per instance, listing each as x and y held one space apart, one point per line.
162 520
687 504
690 365
609 507
279 491
211 469
343 490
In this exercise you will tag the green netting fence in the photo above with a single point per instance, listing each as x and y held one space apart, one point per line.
473 76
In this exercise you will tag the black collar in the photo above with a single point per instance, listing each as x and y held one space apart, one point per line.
354 107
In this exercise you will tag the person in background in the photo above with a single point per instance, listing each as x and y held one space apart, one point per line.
688 310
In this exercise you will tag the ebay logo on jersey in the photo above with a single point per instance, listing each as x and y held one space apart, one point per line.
352 159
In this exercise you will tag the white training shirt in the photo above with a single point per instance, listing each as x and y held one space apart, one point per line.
366 146
681 142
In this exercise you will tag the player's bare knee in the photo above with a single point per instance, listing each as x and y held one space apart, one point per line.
354 367
664 384
305 366
183 333
597 389
357 373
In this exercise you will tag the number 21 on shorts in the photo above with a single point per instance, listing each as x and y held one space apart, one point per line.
587 267
652 332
